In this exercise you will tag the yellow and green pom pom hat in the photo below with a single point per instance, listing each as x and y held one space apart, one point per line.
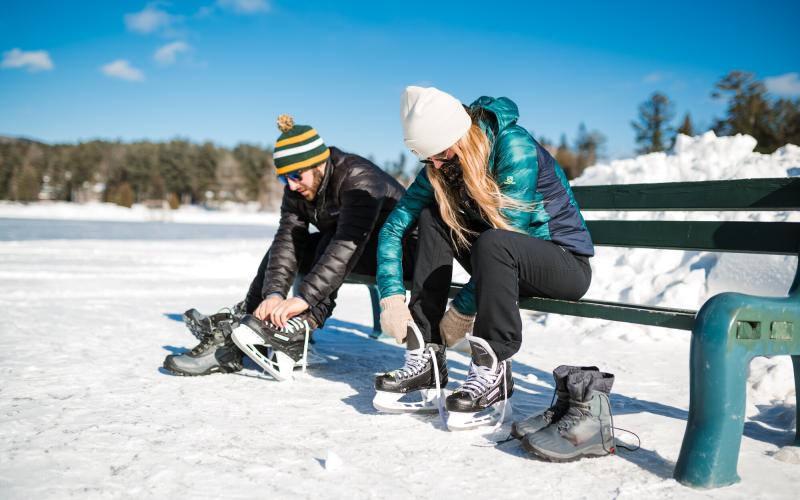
298 147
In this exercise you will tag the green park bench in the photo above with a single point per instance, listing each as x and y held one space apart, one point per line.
728 331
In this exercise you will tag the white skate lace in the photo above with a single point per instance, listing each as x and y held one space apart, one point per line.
293 326
415 363
480 379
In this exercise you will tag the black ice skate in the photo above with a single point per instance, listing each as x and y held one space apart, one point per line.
417 386
483 398
276 350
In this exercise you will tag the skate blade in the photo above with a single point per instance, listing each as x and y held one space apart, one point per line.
314 359
280 368
463 421
389 402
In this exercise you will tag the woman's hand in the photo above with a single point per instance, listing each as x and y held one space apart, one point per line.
455 326
395 317
289 308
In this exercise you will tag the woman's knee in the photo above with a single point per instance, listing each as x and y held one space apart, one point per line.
488 244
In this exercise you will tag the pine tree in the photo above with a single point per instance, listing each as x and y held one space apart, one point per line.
566 159
749 111
589 146
686 127
787 121
652 128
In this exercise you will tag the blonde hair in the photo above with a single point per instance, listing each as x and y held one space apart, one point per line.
473 151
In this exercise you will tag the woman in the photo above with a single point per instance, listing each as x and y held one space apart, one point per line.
491 197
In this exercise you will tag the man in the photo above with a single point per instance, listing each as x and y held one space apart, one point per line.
347 198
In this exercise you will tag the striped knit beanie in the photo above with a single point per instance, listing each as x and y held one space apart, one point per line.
298 147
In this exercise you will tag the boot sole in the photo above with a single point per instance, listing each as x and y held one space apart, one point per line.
564 458
214 369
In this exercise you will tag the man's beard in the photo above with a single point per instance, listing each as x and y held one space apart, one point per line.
316 182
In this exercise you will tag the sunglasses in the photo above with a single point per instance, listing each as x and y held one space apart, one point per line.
291 176
445 164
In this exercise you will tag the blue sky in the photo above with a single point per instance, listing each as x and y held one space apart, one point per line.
222 70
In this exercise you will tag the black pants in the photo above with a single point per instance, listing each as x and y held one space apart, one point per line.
317 242
505 265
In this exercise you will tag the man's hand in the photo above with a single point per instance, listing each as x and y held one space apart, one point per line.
289 308
266 306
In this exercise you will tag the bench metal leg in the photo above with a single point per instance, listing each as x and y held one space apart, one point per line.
796 364
376 311
718 374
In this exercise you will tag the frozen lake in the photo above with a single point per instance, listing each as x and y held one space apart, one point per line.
87 412
38 229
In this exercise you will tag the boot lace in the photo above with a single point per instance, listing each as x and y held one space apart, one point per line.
205 343
574 415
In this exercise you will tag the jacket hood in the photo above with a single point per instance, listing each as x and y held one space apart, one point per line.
504 109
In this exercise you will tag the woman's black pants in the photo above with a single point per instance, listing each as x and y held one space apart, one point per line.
505 265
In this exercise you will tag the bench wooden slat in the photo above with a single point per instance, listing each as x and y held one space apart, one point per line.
680 319
743 194
721 236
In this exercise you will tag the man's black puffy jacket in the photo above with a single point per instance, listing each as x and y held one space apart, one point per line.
353 201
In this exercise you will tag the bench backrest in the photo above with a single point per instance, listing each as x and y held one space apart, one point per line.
722 236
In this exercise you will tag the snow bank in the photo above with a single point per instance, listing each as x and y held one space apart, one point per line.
687 279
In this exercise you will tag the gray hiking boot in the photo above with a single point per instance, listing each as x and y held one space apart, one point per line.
202 325
586 429
215 353
558 406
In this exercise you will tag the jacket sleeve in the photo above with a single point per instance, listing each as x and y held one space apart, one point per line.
390 243
289 242
361 200
516 170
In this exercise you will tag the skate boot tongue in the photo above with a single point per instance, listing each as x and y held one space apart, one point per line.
414 340
482 353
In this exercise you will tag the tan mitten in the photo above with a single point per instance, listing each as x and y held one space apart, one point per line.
455 326
395 317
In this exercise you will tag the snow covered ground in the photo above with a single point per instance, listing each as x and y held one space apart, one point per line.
86 411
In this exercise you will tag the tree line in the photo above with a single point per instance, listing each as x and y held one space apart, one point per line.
750 110
176 172
180 172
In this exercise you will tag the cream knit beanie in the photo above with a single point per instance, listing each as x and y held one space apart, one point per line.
432 120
